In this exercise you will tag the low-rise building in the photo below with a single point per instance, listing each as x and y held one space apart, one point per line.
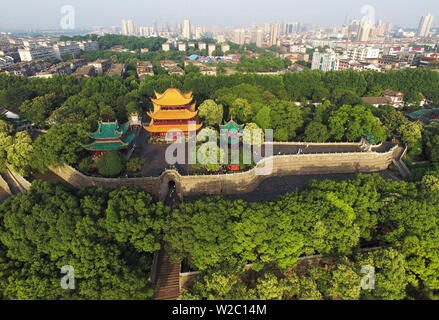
397 97
205 68
166 46
225 47
60 68
70 49
10 52
181 46
324 61
6 61
211 48
76 63
388 97
377 101
208 70
117 69
27 69
36 53
144 68
89 46
362 53
171 67
427 58
101 66
296 48
87 71
175 70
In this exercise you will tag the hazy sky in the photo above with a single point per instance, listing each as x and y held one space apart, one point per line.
16 14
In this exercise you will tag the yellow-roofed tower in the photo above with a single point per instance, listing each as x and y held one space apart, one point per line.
173 112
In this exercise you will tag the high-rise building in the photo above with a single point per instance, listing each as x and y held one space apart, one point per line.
291 27
187 29
274 34
389 27
124 28
131 27
364 31
198 32
221 38
259 38
239 36
282 27
425 25
267 27
211 48
253 34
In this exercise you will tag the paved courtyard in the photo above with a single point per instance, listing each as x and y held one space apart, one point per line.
156 163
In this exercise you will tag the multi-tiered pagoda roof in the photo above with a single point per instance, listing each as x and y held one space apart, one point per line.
231 132
173 110
110 136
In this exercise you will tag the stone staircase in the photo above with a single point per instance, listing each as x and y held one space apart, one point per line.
397 161
168 278
13 186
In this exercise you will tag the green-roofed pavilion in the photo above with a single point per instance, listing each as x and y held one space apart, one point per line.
426 116
231 131
110 130
110 136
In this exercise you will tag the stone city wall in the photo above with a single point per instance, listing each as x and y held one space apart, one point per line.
242 182
79 180
283 166
19 180
4 185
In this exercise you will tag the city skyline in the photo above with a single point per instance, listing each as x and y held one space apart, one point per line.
47 15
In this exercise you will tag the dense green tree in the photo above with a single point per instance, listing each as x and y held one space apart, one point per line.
48 228
111 163
191 68
241 111
351 123
210 113
316 132
133 216
390 278
61 144
20 153
431 142
253 135
135 164
6 141
39 109
263 118
287 117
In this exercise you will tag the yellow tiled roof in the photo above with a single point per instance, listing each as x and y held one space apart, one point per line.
172 97
165 128
173 114
157 107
